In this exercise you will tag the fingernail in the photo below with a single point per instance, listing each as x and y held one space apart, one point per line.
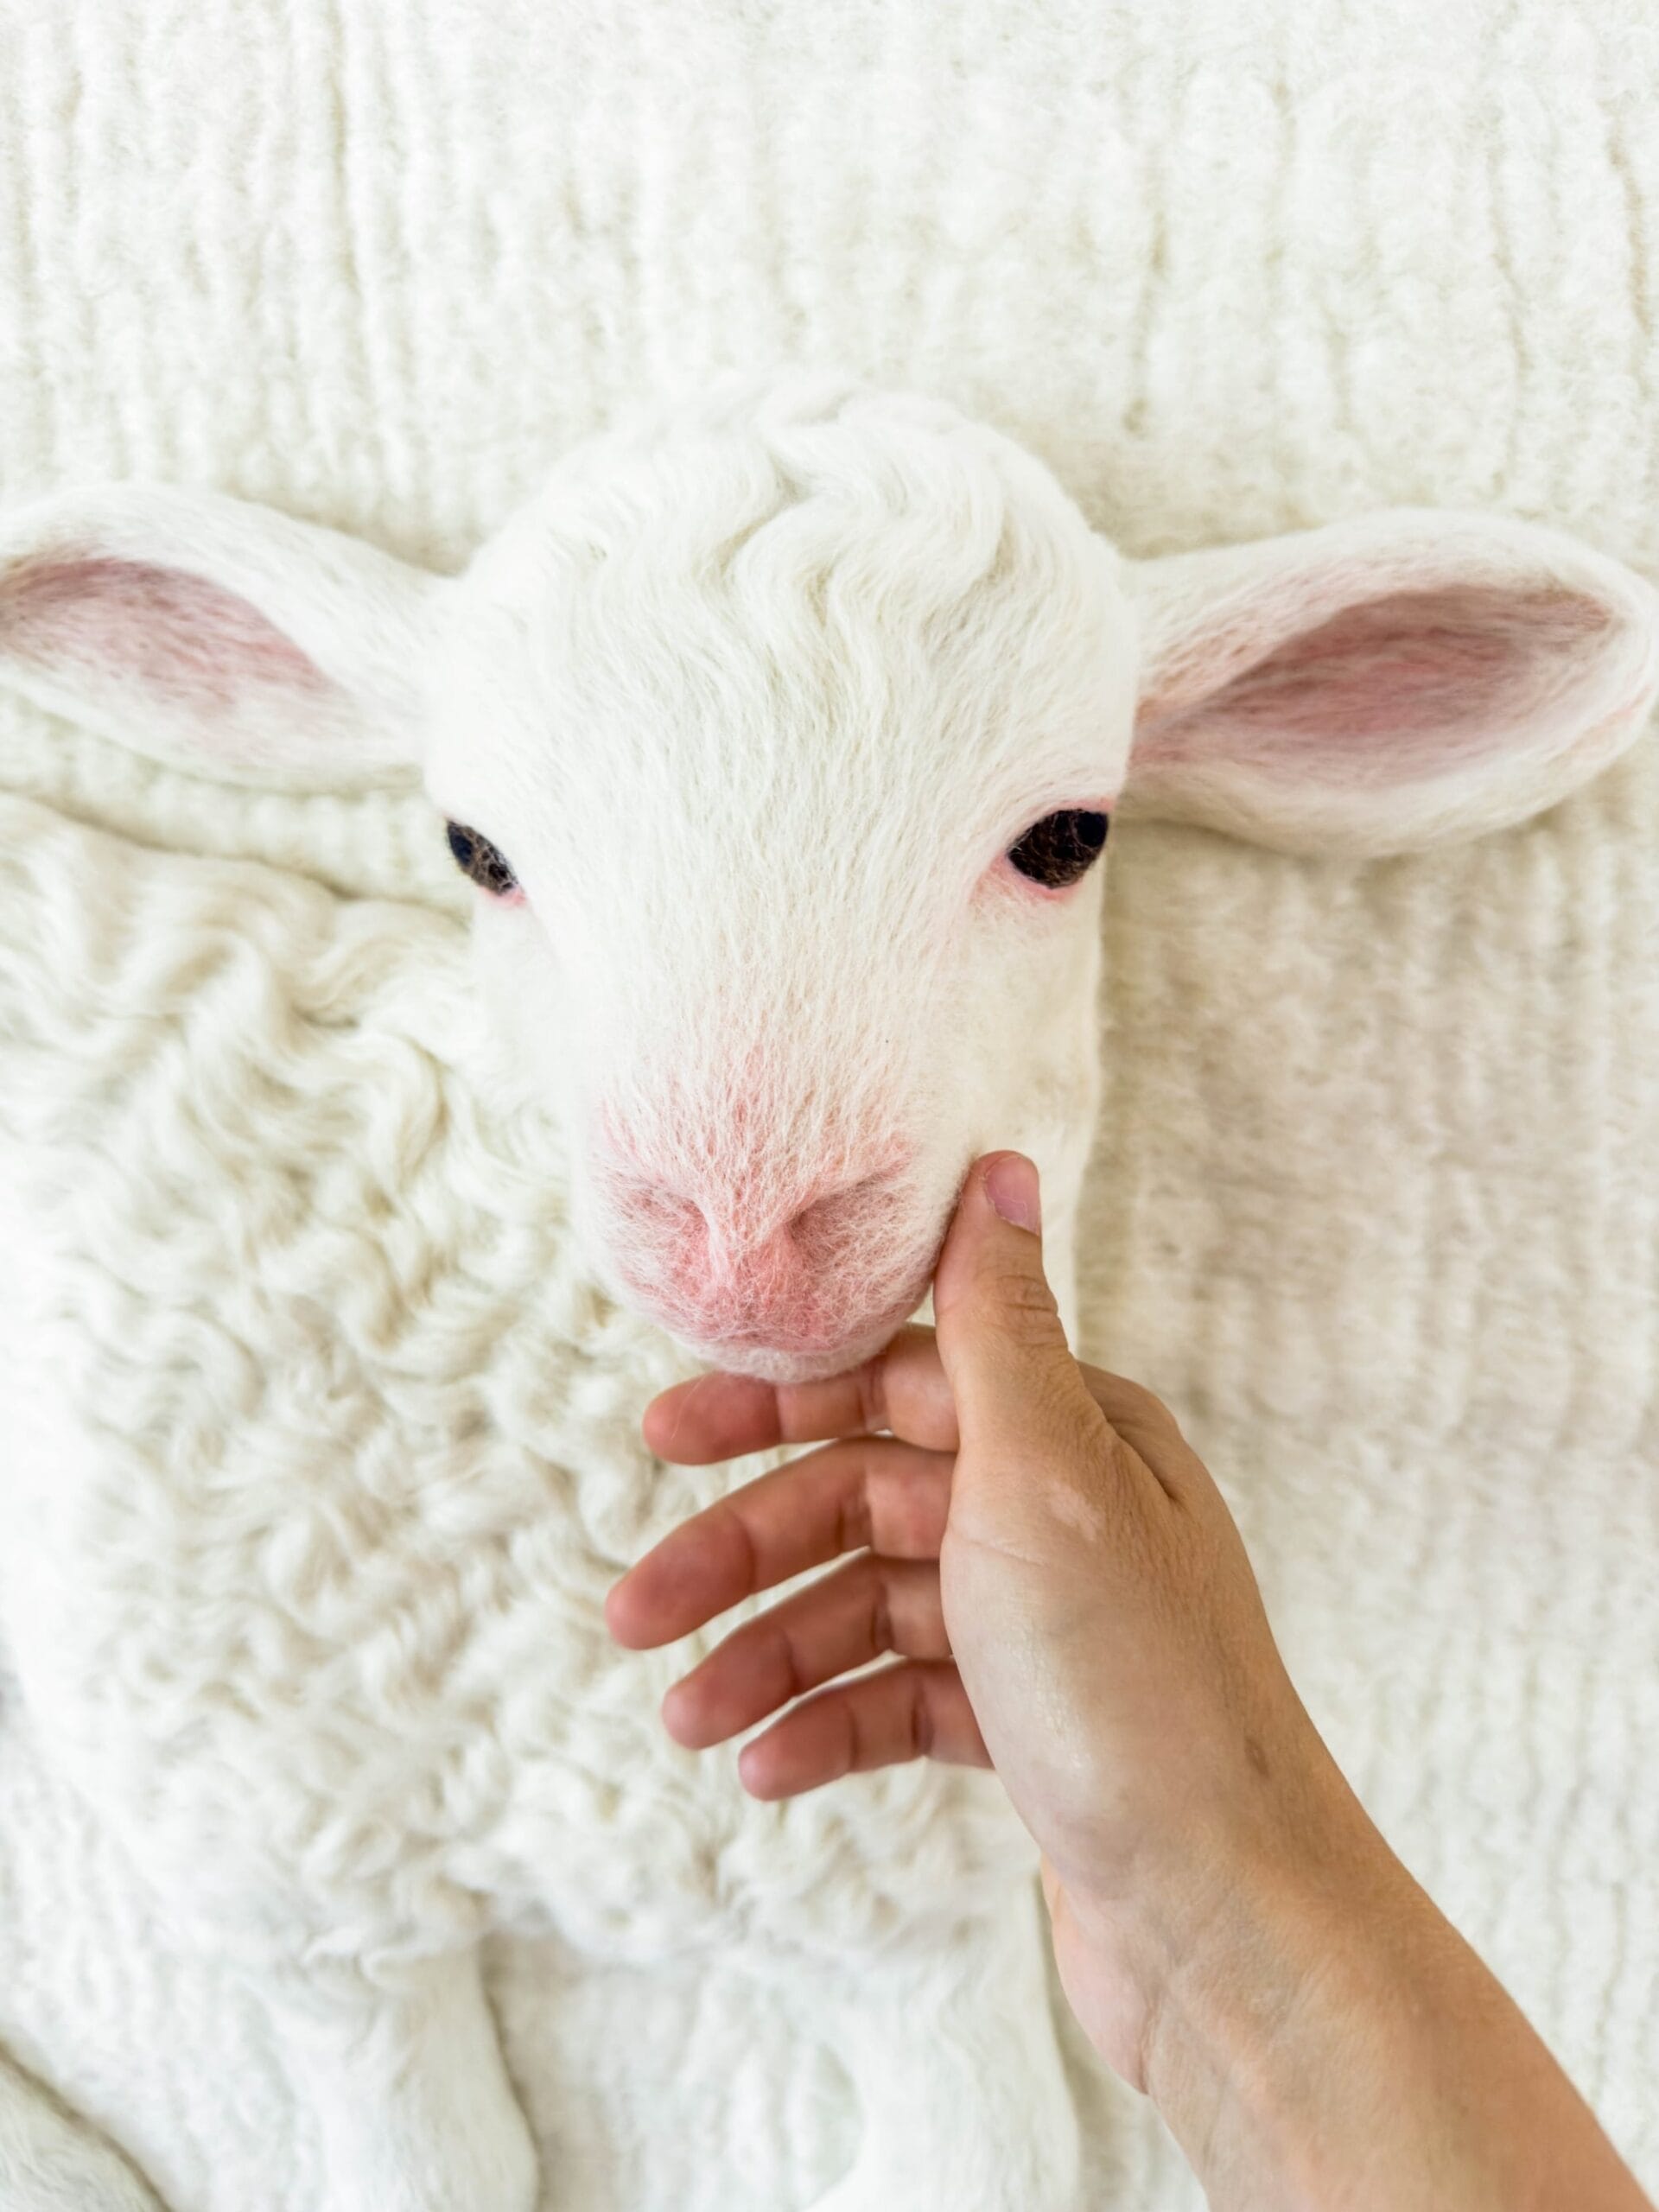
1011 1186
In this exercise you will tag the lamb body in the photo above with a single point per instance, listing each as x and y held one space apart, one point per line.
326 1449
348 1237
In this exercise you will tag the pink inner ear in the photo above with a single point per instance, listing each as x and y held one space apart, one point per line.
173 635
1413 684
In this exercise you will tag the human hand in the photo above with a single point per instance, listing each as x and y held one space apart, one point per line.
1063 1585
1069 1598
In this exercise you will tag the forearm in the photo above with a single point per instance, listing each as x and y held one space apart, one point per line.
1334 2043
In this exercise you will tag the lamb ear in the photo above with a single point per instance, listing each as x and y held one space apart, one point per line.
210 633
1386 684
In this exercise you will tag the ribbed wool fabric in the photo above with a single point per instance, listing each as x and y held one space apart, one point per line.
1373 1205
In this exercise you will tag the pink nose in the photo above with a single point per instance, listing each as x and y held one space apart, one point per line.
737 1273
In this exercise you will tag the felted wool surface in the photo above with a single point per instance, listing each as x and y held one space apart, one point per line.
1374 1199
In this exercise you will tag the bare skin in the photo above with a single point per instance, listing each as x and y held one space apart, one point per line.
1070 1601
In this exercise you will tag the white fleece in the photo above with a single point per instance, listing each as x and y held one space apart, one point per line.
1373 1204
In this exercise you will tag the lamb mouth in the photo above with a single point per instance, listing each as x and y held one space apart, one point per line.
769 1365
771 1358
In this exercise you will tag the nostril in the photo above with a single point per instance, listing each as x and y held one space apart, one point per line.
842 1221
669 1208
655 1215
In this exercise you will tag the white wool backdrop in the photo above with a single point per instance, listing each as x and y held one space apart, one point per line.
1374 1202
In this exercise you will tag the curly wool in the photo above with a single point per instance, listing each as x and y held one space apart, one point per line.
342 1453
761 695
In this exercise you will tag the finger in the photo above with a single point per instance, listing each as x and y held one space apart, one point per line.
1020 1396
915 1710
718 1416
865 1491
869 1608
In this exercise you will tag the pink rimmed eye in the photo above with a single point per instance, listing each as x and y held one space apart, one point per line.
1061 848
485 863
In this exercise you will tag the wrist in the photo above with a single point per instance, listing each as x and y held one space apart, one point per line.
1248 1894
1267 1927
1155 1950
1326 2038
1298 1971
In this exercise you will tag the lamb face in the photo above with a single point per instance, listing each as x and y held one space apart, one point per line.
780 732
742 733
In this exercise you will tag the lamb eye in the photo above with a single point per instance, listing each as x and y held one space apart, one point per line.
477 857
1061 847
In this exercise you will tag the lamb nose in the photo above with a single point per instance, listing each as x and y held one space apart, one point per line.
850 1220
746 1241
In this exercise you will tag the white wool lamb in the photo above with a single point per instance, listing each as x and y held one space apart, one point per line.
778 734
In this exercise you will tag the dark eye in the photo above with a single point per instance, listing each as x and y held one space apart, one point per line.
477 857
1060 847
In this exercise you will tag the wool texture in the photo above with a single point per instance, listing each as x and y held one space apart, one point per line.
1372 1201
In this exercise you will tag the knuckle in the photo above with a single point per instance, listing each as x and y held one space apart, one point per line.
1146 1407
1026 1307
922 1731
1121 1399
876 1593
1125 1463
871 1381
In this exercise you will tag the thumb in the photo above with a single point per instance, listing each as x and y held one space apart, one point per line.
1015 1382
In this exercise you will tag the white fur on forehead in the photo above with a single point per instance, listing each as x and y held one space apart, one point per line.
770 681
